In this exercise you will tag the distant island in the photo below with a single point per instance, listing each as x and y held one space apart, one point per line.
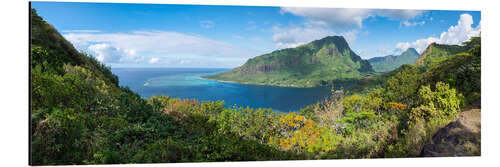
318 63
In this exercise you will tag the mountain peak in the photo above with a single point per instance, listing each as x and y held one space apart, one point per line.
338 41
410 50
335 37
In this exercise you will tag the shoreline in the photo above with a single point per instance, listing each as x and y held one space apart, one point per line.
247 83
343 84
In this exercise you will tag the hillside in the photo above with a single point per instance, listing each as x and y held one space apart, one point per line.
43 35
450 132
436 53
438 62
391 62
321 62
79 115
378 80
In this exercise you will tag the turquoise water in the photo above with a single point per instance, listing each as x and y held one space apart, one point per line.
187 83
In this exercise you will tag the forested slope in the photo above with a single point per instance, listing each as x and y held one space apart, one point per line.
321 62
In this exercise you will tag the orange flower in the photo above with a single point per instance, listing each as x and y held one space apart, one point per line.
397 106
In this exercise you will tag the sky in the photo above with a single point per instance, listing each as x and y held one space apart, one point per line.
204 36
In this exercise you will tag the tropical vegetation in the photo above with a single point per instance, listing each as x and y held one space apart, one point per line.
80 115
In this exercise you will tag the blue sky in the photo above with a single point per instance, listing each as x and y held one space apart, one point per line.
155 35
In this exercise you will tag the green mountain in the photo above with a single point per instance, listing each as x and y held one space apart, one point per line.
391 62
321 62
436 53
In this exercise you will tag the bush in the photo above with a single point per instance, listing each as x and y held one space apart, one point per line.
436 109
64 137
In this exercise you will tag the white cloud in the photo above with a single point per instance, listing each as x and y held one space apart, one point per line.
361 53
350 36
295 36
185 61
251 26
81 31
344 18
153 60
322 22
298 35
110 54
140 46
398 14
419 44
461 32
105 53
411 24
455 35
336 18
206 24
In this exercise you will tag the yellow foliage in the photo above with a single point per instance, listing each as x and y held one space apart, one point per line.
310 137
285 144
292 120
299 118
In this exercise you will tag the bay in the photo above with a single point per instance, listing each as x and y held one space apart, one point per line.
186 83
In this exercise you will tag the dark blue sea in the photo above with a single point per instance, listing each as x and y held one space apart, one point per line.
187 83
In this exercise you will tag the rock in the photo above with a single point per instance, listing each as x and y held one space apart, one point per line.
459 138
